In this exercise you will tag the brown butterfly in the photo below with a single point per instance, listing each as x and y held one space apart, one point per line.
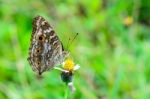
46 50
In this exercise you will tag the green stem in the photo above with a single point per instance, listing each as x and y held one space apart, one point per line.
66 93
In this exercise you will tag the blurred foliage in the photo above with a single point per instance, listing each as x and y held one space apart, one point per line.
112 48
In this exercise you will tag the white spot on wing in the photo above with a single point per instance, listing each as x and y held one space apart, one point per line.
43 22
47 30
52 36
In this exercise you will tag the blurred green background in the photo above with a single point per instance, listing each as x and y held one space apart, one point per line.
112 48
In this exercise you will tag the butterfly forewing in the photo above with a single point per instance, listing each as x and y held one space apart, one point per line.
45 50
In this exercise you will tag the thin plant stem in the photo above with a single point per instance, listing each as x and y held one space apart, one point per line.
66 93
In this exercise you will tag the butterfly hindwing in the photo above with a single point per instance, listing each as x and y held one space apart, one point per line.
45 50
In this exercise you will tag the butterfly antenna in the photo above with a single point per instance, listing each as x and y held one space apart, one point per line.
69 44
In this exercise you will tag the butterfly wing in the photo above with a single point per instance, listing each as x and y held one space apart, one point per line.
46 49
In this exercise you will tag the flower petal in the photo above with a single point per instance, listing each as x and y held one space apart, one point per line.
76 67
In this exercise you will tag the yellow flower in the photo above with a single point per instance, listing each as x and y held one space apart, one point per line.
67 70
128 21
68 65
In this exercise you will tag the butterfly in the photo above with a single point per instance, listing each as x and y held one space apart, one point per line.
46 50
